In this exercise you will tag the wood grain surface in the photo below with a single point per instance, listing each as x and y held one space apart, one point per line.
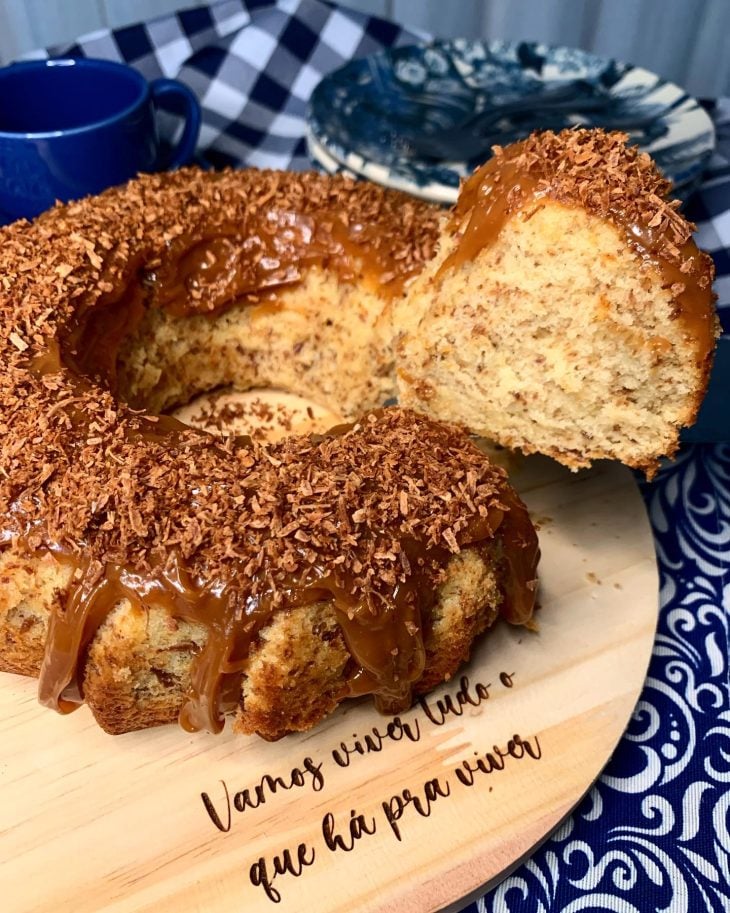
443 802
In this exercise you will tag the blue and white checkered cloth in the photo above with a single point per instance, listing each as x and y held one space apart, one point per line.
252 64
654 832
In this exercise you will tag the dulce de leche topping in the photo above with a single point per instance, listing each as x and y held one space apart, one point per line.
275 248
287 224
227 533
599 172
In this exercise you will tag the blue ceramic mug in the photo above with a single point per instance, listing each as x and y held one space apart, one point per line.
75 126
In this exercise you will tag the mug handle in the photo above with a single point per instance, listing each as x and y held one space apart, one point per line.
176 97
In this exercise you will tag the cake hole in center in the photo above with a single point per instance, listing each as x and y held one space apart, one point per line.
266 415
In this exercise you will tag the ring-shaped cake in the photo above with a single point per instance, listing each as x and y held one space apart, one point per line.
153 570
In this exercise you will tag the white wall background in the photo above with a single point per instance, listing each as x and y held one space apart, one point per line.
687 41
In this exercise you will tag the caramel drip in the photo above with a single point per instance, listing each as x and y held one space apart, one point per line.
94 594
491 195
384 633
229 267
520 553
388 645
69 633
500 189
692 300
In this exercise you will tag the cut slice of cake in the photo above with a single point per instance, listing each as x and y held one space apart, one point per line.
568 311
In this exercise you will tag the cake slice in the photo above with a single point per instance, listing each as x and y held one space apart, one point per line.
568 311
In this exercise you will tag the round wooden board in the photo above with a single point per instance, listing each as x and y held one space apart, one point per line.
91 822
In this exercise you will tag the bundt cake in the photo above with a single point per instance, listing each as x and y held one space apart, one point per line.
153 570
568 310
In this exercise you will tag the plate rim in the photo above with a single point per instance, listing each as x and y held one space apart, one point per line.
324 149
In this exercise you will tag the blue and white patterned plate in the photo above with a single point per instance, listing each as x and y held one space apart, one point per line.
408 117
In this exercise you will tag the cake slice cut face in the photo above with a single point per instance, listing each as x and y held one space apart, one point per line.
568 311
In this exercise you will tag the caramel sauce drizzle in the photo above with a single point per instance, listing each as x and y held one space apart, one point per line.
275 252
385 632
500 189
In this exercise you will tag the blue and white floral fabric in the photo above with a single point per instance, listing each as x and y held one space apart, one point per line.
654 832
